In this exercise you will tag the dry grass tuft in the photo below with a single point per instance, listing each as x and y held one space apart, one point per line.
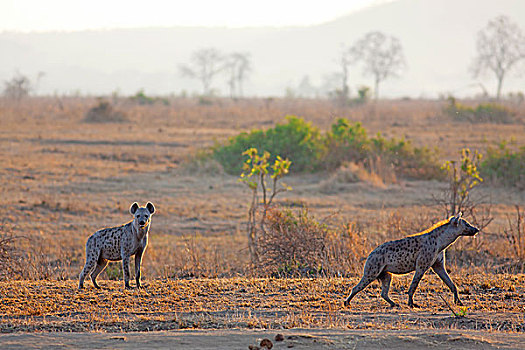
349 173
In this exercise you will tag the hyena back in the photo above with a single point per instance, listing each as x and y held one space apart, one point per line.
414 253
118 243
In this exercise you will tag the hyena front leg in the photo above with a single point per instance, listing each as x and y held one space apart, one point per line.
138 259
420 271
125 269
439 269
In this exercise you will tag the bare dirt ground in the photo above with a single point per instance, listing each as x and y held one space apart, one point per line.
242 339
62 178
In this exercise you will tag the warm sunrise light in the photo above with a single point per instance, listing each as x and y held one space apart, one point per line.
236 174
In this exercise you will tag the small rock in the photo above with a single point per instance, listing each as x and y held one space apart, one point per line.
279 337
266 343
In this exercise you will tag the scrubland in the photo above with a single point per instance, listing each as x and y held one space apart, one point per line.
63 177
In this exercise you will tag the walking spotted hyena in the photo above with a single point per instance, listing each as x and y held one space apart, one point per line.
418 252
118 243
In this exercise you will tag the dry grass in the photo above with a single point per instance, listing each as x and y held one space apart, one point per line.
493 303
62 179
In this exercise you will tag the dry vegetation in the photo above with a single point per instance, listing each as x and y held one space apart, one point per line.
494 303
62 178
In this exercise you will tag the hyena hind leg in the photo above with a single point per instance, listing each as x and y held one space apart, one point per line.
88 267
101 265
365 281
386 278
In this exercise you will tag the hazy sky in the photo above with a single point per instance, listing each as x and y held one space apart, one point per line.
45 15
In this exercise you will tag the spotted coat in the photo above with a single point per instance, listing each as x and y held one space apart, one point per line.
414 253
118 243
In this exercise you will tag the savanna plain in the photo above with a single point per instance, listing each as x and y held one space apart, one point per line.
64 176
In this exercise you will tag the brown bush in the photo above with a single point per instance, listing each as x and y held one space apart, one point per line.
104 113
295 244
515 234
292 245
9 255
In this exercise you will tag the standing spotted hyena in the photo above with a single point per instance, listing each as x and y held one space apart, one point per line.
119 243
418 252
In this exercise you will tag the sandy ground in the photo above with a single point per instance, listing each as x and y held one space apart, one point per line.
296 339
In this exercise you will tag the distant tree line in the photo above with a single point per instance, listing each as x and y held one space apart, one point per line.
500 49
206 64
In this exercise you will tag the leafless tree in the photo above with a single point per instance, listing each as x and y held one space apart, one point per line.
345 60
382 57
306 88
238 66
330 84
500 46
18 87
205 65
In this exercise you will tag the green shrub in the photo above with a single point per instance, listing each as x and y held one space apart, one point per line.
408 160
256 170
463 177
296 139
493 113
482 113
230 155
505 166
345 142
363 96
142 99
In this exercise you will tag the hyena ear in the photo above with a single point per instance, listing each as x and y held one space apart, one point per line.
150 207
455 219
133 208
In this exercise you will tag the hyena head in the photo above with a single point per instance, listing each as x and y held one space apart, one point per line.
142 215
461 226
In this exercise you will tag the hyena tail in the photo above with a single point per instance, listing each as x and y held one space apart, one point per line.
91 261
